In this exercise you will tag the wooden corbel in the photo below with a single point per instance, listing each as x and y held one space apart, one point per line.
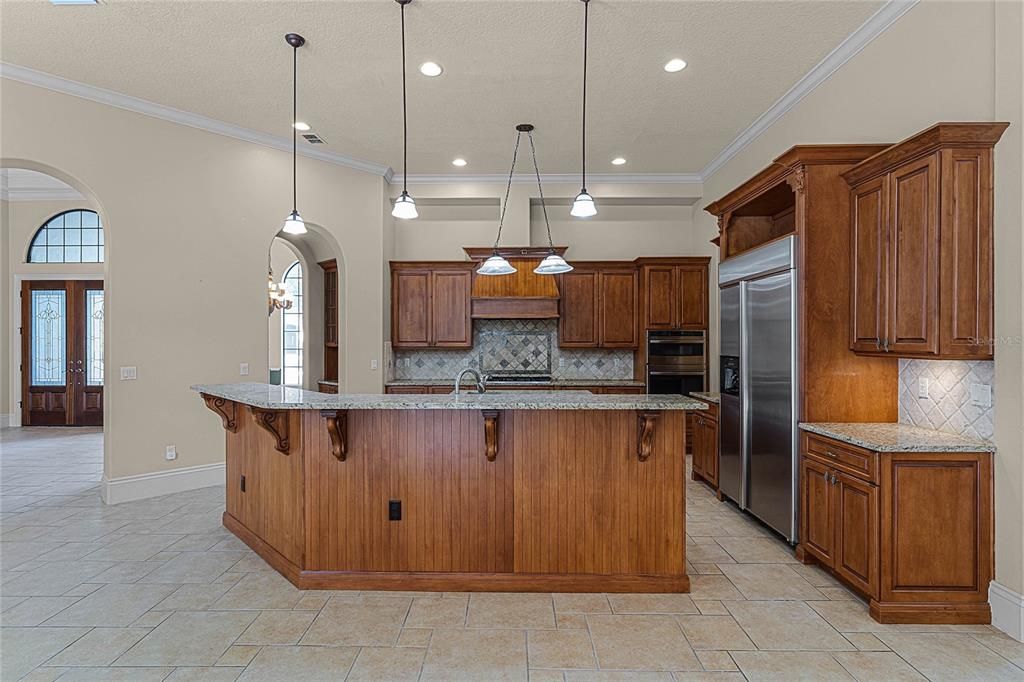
274 422
225 409
797 180
337 429
645 438
490 434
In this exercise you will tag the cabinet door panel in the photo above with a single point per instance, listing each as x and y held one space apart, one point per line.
856 517
693 441
659 310
817 524
914 257
869 206
578 323
711 452
410 313
693 297
452 326
618 303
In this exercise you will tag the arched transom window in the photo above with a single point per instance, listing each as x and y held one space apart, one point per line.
68 237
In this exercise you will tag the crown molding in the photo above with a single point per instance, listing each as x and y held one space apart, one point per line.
876 24
556 178
145 107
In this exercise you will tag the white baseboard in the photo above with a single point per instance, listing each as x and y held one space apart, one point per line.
142 486
6 420
1007 610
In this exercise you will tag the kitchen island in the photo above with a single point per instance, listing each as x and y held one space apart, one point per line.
561 491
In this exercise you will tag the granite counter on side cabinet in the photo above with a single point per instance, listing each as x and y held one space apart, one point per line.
893 437
707 396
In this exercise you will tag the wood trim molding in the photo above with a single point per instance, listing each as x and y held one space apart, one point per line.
482 253
645 437
274 422
226 409
490 434
337 429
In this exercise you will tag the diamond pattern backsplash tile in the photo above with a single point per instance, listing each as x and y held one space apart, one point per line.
948 406
514 347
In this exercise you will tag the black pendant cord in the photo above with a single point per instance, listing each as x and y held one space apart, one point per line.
405 118
540 191
586 32
508 190
295 131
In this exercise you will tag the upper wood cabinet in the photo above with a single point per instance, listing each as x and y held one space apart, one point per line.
430 305
598 307
675 293
921 232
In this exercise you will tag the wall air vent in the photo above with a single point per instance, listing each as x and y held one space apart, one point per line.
313 138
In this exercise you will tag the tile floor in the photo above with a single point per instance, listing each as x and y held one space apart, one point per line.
157 589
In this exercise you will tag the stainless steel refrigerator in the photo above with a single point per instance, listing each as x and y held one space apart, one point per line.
759 365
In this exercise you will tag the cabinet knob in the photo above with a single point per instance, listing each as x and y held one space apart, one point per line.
830 454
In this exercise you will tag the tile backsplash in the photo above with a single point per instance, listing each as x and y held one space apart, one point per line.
514 347
948 406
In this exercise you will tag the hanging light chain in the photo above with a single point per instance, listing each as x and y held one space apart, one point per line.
540 191
508 190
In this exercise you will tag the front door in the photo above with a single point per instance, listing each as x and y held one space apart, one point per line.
62 353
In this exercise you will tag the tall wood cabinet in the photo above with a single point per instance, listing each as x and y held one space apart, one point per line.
430 305
598 306
921 232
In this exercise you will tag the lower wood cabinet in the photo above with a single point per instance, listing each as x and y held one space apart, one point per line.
704 426
911 531
448 388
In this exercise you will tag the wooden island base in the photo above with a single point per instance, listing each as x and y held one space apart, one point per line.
515 500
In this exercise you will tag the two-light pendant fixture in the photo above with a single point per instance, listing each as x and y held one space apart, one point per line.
293 224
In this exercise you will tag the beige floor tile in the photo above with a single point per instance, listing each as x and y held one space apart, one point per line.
640 643
876 665
786 625
277 627
194 567
706 569
1005 646
816 575
711 607
757 550
238 655
198 674
651 603
786 666
307 663
133 548
27 648
508 610
188 638
261 590
547 676
192 598
116 674
708 554
387 665
343 624
101 646
52 579
414 637
436 612
560 649
616 676
34 610
713 587
44 674
769 581
312 602
581 602
865 641
716 661
942 656
151 619
719 633
476 655
849 616
112 606
571 621
838 593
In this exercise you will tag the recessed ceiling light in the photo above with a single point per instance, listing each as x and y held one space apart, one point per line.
675 65
618 161
299 125
460 162
431 69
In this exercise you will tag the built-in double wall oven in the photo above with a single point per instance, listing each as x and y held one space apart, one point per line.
676 361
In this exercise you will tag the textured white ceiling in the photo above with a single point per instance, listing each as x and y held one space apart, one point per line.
505 61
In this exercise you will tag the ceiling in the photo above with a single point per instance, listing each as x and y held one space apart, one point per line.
18 184
504 63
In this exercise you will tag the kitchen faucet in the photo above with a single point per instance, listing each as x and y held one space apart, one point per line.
481 386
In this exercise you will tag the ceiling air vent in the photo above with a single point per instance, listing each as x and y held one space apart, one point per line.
313 138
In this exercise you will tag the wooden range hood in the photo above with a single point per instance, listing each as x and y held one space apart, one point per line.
523 295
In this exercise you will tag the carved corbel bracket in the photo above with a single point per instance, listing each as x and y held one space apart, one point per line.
490 434
337 429
274 422
225 409
645 438
797 179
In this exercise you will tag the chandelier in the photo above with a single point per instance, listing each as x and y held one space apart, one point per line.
278 297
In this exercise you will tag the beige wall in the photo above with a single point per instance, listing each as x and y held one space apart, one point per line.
189 217
6 286
936 63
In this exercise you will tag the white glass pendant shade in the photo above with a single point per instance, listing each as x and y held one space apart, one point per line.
405 207
495 265
293 224
552 265
583 206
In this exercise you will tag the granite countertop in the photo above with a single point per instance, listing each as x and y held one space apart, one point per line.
892 437
707 396
283 398
556 382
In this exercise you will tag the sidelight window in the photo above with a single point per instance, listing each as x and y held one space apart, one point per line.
69 237
291 328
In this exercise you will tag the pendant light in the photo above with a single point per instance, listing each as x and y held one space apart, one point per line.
405 207
293 223
583 206
553 264
496 264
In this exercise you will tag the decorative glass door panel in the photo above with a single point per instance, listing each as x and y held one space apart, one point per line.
62 353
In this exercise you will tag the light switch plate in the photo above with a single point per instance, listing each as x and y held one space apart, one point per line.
922 387
373 364
172 452
981 395
129 373
243 369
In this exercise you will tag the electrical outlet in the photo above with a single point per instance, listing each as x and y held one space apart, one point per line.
394 510
129 374
171 453
561 362
243 369
981 395
922 387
